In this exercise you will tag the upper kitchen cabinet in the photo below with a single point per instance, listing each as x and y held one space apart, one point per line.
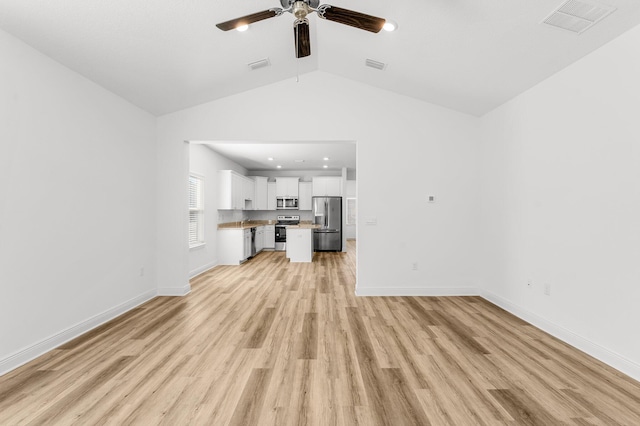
287 186
272 202
230 190
260 200
235 192
248 193
304 196
330 186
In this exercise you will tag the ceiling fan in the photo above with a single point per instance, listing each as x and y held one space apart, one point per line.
300 9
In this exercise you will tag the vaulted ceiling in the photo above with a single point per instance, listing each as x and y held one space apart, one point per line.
167 55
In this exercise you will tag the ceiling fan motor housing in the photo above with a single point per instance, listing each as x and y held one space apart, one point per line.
287 4
301 9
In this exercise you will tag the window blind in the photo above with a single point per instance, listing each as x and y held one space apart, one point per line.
196 211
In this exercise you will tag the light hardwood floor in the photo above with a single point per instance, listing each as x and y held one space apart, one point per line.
274 343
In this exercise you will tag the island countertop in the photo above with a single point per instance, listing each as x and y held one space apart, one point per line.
304 226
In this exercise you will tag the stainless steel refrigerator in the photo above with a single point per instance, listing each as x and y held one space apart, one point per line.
327 212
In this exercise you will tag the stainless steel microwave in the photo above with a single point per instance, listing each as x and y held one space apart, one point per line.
287 203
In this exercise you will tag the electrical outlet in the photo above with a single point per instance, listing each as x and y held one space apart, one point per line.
142 272
547 289
530 282
414 266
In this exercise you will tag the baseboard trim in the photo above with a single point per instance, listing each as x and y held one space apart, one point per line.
174 291
32 352
601 353
203 269
417 291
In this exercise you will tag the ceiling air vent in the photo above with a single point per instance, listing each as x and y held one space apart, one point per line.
375 64
259 64
578 16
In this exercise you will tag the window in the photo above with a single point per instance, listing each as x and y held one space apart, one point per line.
196 211
351 211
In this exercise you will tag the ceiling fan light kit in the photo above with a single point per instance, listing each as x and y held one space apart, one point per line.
301 38
300 9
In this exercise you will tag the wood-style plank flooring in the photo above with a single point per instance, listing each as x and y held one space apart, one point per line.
275 343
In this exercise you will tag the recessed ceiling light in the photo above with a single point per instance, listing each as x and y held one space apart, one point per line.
325 166
390 26
326 158
243 28
270 158
279 166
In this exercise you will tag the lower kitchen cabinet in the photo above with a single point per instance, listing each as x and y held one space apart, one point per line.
270 237
299 244
259 239
234 246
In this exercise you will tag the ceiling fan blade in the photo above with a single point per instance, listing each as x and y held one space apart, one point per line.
349 17
301 38
249 19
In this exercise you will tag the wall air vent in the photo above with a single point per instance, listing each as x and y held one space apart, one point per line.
578 16
375 64
259 64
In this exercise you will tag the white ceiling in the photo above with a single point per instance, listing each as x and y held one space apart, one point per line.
255 155
166 55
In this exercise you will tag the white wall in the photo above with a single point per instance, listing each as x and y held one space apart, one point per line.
406 149
206 163
561 203
350 192
77 204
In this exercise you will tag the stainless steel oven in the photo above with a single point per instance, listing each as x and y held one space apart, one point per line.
281 230
281 238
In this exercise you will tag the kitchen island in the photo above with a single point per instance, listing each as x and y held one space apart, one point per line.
300 242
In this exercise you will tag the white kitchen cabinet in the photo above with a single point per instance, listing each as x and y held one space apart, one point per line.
287 186
259 239
230 190
270 237
299 244
235 192
304 196
261 193
271 196
247 243
327 186
248 193
232 246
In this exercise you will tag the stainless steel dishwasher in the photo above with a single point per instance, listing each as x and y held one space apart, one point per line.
253 241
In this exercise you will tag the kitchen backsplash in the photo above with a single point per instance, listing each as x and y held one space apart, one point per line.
225 216
273 215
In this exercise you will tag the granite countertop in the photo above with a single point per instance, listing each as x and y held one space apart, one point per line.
245 224
305 226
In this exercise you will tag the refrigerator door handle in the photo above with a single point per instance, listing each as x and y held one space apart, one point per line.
326 214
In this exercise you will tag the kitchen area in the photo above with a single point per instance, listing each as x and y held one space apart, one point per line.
257 197
284 214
